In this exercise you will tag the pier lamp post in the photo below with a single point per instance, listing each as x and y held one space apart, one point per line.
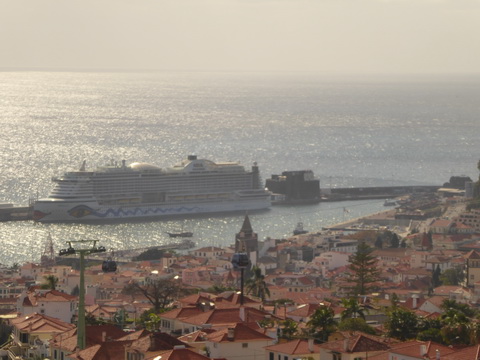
83 247
240 261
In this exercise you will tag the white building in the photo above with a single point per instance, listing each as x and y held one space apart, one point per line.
239 342
51 303
331 260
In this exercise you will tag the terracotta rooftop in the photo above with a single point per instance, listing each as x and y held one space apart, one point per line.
107 350
155 342
95 334
415 349
226 317
469 353
294 347
33 297
356 343
38 323
241 333
176 354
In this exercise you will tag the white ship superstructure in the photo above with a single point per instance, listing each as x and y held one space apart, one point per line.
140 190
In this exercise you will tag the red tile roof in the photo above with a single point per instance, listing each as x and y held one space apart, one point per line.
33 297
38 323
469 353
104 351
155 342
415 349
294 347
241 333
356 343
176 354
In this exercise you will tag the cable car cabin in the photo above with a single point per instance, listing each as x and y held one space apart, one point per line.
240 261
109 266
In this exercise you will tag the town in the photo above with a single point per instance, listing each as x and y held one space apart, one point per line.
401 284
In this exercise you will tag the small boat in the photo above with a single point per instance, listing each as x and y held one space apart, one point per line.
299 229
181 234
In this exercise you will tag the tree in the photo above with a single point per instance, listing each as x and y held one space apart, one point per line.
152 322
217 289
160 292
363 270
455 329
394 241
50 283
402 324
321 323
289 329
91 319
394 301
75 291
5 331
256 285
436 277
452 276
356 324
379 242
353 309
465 309
430 330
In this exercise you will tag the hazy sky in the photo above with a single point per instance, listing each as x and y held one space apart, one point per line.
341 36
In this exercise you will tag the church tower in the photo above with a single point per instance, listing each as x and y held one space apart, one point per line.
472 262
246 241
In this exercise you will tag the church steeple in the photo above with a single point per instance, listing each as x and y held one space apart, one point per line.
247 226
246 241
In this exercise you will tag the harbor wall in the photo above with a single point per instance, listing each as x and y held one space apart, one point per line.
377 192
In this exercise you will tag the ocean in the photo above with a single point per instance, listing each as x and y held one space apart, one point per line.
350 130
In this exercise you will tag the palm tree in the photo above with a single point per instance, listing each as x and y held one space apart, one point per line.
289 329
321 323
352 309
51 282
256 285
456 327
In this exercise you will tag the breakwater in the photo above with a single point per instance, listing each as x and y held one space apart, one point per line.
15 213
378 192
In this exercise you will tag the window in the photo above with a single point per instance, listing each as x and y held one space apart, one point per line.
24 338
271 356
244 345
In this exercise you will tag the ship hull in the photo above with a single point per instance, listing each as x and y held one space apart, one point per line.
142 191
93 212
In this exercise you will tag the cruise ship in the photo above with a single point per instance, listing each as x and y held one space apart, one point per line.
141 190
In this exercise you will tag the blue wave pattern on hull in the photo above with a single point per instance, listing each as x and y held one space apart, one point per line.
83 210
